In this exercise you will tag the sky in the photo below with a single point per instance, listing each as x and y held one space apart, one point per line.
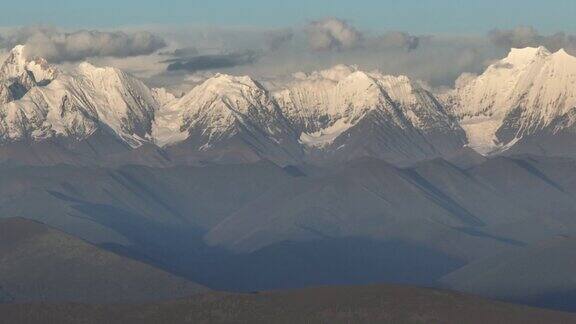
416 16
178 43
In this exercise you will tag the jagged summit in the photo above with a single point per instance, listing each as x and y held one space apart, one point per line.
339 113
18 63
219 102
335 73
75 106
526 54
222 80
19 74
15 63
518 96
224 87
88 68
228 113
343 108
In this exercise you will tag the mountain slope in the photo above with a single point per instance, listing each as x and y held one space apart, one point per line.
486 208
257 225
38 263
372 199
84 201
15 88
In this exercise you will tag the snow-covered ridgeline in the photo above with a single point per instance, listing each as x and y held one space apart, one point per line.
338 109
515 97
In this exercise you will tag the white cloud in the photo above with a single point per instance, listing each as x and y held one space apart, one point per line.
526 36
332 34
57 46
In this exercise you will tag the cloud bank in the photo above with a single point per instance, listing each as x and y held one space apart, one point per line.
211 62
58 47
400 40
526 36
320 44
276 39
332 34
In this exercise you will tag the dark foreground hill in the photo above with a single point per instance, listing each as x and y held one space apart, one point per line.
38 263
354 304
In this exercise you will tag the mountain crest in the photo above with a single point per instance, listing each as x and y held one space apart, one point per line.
527 54
18 63
14 65
224 112
524 94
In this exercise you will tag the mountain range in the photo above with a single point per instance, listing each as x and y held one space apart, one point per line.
91 115
332 177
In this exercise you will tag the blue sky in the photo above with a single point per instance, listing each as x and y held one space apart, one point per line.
418 16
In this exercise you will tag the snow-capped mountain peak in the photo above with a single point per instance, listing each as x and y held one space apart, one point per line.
218 103
335 73
225 86
122 102
75 105
333 108
226 109
520 56
515 97
316 101
19 74
15 63
18 63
